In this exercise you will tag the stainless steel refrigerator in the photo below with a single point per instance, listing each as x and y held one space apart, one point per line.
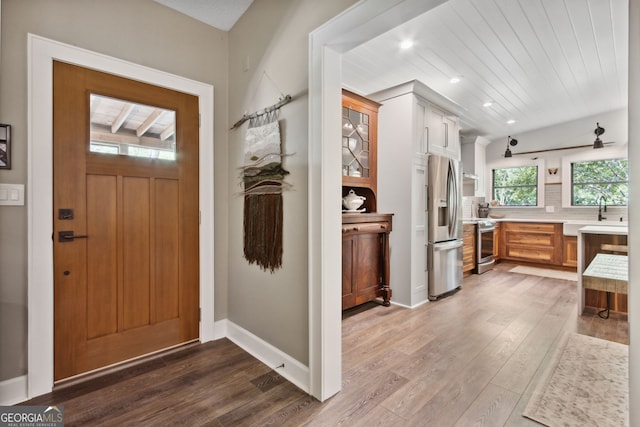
444 219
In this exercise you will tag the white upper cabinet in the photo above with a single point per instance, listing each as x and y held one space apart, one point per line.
474 166
441 132
435 128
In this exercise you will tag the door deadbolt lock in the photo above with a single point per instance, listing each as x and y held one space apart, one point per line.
65 214
68 236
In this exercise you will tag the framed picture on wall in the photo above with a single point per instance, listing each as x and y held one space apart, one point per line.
553 176
5 146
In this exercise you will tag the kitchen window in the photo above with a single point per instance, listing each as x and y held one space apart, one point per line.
515 186
589 174
591 180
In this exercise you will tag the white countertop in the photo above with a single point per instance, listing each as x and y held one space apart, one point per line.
551 220
604 229
570 226
548 221
542 220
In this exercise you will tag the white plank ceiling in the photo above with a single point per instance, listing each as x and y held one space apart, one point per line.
541 62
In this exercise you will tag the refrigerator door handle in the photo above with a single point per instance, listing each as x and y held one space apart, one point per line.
456 201
426 198
452 191
445 246
426 261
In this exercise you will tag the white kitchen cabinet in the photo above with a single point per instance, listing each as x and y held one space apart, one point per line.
473 154
441 130
408 125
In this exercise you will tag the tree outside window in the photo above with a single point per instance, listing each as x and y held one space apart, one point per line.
592 179
517 186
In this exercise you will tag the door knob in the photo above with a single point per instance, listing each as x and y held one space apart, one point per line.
68 236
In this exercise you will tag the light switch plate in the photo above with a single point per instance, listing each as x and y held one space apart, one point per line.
11 194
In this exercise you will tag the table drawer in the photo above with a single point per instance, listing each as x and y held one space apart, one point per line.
366 227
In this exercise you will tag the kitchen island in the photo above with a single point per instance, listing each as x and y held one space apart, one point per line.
593 240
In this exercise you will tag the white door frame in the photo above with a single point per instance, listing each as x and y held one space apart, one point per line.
363 21
42 53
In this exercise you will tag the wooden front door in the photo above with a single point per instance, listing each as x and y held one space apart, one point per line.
126 261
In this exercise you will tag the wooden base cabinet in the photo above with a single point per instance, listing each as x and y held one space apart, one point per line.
468 248
570 251
365 258
533 242
496 241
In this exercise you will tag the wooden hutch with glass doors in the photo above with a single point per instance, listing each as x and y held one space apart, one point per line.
365 232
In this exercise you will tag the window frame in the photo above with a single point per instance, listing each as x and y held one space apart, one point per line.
606 153
533 185
515 163
609 202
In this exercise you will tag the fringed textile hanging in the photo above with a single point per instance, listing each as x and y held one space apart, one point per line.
263 178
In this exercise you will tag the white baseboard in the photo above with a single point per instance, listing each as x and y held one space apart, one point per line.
294 371
422 302
220 329
410 306
13 390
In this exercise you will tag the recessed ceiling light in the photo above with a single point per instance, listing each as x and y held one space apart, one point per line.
510 122
487 104
455 79
406 44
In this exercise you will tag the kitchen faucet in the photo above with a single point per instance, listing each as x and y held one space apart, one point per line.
600 199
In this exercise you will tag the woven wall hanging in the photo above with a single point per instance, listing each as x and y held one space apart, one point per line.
263 179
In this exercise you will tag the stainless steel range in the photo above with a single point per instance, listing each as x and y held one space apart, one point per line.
484 252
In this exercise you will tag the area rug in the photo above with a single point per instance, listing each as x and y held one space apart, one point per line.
586 384
545 272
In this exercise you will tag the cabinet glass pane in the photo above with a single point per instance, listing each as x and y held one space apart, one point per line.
355 143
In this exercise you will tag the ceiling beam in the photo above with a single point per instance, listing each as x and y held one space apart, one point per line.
127 108
149 121
169 130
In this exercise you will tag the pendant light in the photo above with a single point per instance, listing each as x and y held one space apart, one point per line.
598 142
510 142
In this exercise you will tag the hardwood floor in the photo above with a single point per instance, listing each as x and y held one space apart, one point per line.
468 359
